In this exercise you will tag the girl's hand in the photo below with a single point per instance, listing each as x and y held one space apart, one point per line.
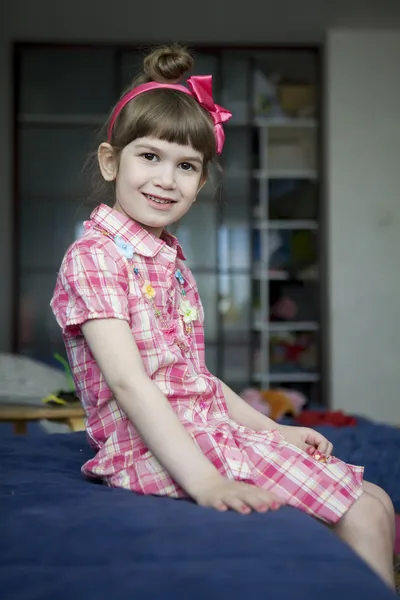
224 494
306 439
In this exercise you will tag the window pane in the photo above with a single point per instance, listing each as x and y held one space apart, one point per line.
47 228
207 285
39 334
211 351
67 81
197 233
234 307
237 154
236 365
131 66
235 93
52 160
234 247
206 64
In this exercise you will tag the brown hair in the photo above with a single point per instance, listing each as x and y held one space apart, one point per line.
165 114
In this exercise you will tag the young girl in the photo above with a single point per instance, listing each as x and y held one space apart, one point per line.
132 322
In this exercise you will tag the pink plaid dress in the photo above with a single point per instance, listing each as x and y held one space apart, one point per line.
98 280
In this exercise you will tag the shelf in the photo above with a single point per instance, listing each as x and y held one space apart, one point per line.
287 377
294 377
233 376
288 225
237 173
60 119
283 276
237 123
267 122
287 326
285 174
264 122
264 174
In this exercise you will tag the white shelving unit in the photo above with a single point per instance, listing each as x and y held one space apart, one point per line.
266 374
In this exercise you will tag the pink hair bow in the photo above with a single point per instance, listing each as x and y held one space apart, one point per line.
200 89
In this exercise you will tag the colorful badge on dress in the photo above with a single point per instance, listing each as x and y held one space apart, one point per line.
180 277
126 247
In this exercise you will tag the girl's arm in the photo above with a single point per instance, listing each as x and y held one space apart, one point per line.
244 414
117 355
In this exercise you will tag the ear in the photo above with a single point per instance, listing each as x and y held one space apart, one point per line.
107 161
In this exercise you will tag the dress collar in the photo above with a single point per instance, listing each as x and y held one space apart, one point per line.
143 242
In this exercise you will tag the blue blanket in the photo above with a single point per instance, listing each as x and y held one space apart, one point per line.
65 538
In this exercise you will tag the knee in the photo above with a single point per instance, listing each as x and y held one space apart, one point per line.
386 501
368 512
382 496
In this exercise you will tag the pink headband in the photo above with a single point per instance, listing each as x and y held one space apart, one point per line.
200 89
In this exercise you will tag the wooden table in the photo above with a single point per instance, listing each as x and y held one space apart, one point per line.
72 415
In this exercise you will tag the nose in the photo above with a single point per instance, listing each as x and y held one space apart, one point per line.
166 176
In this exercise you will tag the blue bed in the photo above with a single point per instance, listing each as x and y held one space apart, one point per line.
65 538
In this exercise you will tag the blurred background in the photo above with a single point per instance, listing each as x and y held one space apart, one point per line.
297 256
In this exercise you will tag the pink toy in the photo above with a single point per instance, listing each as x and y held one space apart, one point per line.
254 398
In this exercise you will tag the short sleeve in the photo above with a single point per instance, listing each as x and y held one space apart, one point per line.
91 284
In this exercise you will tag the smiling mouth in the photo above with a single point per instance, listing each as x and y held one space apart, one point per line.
159 200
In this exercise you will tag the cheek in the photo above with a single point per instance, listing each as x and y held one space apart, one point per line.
190 187
131 181
133 173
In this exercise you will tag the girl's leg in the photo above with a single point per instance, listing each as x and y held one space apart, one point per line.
366 528
379 493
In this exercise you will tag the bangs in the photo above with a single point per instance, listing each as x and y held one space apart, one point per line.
168 115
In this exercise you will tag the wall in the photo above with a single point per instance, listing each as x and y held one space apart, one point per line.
359 171
363 166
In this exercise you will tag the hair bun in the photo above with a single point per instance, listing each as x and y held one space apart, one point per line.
167 64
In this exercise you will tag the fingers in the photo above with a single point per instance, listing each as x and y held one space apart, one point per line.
323 446
249 499
319 442
313 438
238 505
260 502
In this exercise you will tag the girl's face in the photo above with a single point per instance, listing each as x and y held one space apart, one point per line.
156 181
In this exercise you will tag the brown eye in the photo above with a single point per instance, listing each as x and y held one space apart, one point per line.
187 166
149 156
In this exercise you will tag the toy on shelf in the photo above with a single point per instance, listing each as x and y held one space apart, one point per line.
275 403
265 93
293 351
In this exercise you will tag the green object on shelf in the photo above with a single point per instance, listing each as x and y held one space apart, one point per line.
67 370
